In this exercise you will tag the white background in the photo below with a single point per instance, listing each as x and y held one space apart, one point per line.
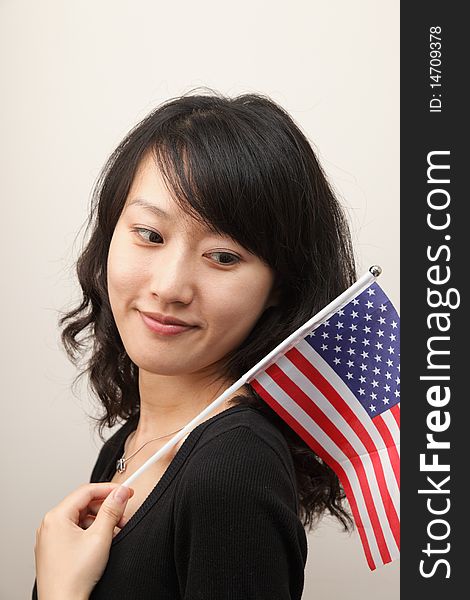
76 76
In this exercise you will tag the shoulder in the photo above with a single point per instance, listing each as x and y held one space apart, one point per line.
235 513
244 453
248 422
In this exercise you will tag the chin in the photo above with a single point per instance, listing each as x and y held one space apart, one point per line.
168 366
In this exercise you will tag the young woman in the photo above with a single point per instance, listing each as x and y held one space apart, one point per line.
214 235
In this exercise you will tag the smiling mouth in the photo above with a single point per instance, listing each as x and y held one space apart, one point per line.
165 328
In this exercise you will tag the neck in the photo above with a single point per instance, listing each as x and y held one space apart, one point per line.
168 403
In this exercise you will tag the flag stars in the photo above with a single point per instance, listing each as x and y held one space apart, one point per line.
366 333
361 344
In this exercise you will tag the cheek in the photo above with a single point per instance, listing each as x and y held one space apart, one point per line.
236 309
122 275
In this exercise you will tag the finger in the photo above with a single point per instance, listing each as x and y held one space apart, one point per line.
87 522
75 503
112 511
90 519
122 522
92 508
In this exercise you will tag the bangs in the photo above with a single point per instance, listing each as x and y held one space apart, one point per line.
218 170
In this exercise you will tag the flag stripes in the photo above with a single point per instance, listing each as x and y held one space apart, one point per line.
323 411
310 434
374 433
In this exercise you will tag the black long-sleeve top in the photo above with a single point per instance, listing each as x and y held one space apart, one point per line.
221 524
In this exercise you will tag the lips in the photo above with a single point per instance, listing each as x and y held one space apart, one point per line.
165 325
165 319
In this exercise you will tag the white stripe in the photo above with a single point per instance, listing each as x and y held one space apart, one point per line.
343 390
325 406
392 425
327 443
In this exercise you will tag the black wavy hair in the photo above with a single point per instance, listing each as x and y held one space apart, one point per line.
242 166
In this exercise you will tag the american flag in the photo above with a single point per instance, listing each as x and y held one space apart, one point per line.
338 388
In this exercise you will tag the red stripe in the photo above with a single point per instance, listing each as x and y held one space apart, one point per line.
338 469
390 444
395 410
340 440
331 394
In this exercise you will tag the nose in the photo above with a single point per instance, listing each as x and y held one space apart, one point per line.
173 277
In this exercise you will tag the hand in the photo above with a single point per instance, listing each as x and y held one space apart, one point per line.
74 539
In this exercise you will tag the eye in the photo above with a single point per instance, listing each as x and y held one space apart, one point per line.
138 231
225 258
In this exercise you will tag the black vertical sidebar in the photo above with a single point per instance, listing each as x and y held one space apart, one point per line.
435 238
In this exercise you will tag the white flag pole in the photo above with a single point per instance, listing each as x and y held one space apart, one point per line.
354 290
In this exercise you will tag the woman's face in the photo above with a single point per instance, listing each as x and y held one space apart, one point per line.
162 261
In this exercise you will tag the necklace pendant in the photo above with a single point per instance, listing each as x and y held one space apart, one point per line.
121 465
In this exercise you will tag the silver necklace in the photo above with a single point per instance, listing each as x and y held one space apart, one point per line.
121 464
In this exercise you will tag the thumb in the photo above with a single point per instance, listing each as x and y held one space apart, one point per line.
112 509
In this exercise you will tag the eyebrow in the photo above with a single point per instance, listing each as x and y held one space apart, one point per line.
153 208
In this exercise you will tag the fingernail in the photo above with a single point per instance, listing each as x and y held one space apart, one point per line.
121 494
